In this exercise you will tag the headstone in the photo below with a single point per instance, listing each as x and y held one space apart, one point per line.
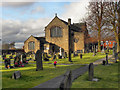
113 51
54 57
75 54
60 57
65 54
91 71
103 62
67 81
107 58
116 57
80 56
16 75
38 58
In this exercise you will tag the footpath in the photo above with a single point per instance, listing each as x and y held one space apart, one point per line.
55 82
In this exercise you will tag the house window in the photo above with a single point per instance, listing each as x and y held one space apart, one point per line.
56 31
31 45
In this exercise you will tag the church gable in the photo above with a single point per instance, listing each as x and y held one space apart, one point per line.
57 22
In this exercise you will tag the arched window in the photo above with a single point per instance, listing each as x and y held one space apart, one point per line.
56 31
31 45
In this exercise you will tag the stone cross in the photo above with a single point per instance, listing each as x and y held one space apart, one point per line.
38 58
91 71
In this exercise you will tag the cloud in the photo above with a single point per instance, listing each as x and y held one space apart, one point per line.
38 9
16 4
76 10
19 31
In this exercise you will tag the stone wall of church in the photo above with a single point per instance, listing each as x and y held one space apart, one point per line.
79 44
31 39
59 41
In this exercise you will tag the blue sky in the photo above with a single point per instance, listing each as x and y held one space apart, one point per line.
22 19
24 13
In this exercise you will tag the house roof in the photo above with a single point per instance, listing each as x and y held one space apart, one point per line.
41 39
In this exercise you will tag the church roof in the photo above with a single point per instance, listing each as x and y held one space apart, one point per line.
41 39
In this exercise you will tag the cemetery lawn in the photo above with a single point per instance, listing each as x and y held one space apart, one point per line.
107 75
87 58
30 77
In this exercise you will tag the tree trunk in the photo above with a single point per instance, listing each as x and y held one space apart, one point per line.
117 40
99 40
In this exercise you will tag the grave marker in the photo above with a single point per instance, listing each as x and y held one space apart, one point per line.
80 56
107 58
16 75
91 71
38 58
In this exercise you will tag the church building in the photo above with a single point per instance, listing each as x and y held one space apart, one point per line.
60 37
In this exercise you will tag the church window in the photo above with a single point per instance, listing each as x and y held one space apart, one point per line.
56 31
31 45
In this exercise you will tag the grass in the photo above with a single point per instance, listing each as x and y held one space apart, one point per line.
30 77
107 75
87 58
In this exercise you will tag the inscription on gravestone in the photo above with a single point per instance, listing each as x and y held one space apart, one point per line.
38 58
91 71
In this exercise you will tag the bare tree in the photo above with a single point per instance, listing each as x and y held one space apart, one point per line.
113 18
96 19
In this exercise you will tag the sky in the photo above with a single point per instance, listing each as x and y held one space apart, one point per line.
19 19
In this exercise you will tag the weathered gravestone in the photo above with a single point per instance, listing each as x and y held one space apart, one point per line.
106 58
54 57
91 71
75 54
116 57
80 56
38 58
65 54
103 62
59 57
16 75
67 81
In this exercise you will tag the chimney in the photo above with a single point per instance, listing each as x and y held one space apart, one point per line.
69 21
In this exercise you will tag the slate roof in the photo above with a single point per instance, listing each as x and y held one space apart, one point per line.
75 26
41 39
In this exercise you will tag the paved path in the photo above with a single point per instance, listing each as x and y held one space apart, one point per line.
101 60
55 82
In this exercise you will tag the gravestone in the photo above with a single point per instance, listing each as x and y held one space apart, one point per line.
67 81
91 71
114 51
65 54
116 57
106 58
103 62
80 56
54 57
59 57
16 75
38 58
75 54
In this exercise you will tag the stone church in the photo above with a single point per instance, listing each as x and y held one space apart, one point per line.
60 37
